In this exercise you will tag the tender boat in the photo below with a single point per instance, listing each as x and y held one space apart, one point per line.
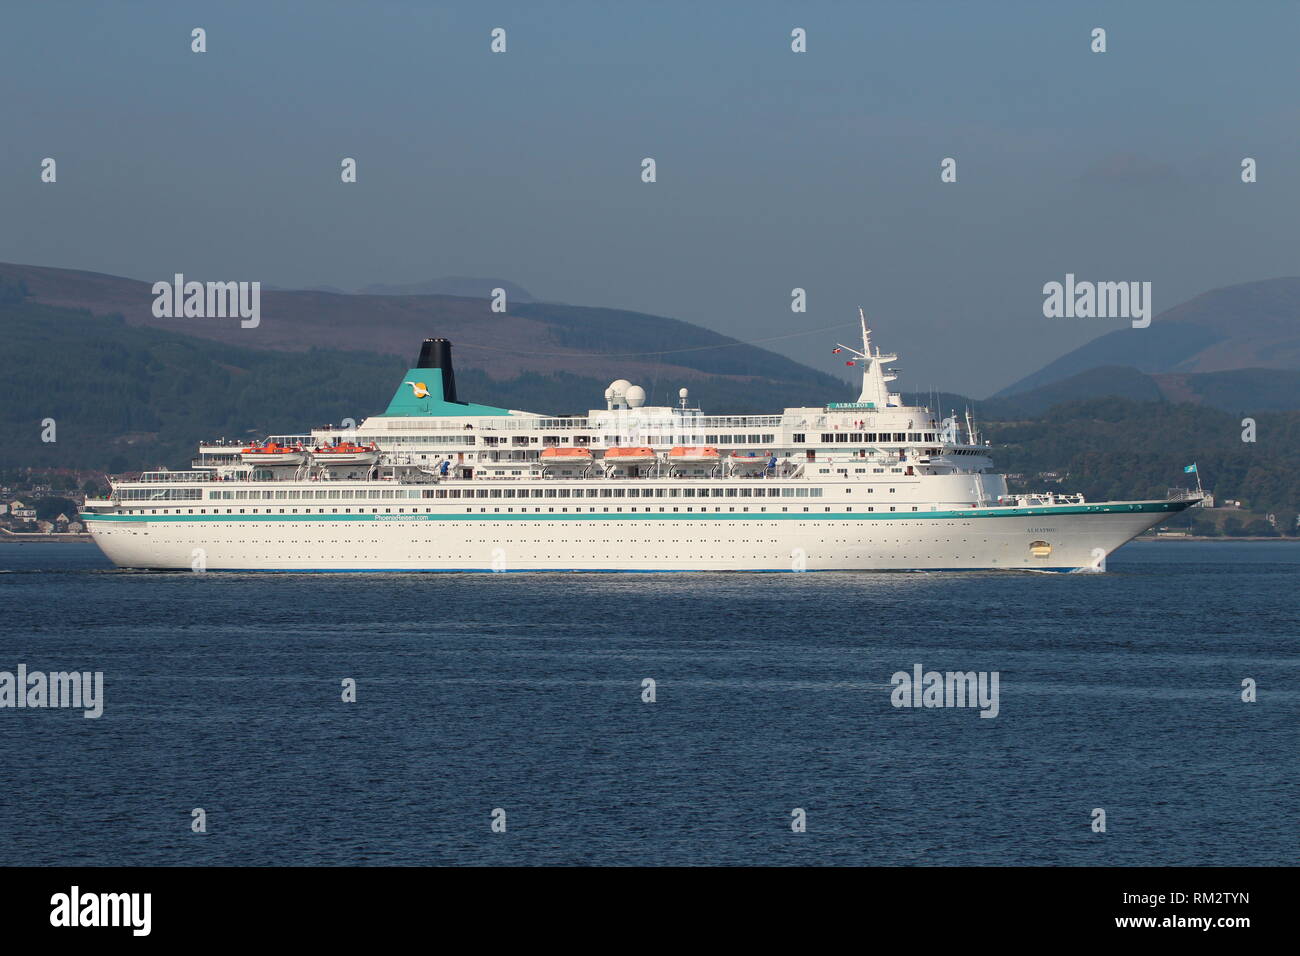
554 454
630 456
749 462
345 453
272 454
695 455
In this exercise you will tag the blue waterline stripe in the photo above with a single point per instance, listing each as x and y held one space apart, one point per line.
1062 569
1142 507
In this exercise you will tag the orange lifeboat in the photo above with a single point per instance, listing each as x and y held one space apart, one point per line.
346 453
272 454
555 454
694 455
629 456
750 462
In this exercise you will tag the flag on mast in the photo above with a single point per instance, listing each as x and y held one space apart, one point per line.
1190 469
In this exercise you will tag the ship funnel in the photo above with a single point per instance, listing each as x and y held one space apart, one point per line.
436 353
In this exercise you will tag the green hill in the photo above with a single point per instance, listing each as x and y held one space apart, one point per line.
558 343
1119 448
125 397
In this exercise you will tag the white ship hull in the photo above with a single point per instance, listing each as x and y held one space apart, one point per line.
723 541
870 485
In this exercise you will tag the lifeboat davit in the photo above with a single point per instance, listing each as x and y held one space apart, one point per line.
698 455
555 454
272 454
346 453
629 456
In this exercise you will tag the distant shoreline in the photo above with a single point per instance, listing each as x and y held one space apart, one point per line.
1193 537
22 537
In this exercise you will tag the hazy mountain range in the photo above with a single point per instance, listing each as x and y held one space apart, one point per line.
1236 348
467 287
600 345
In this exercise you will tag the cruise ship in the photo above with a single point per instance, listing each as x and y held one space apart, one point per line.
435 483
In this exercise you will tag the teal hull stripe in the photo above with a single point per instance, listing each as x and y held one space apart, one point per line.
1142 507
1062 569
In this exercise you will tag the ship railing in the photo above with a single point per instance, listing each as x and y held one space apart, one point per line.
248 442
741 421
1040 499
659 474
175 476
287 440
497 424
615 420
202 476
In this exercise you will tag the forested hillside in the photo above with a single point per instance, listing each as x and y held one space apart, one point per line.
1119 448
129 397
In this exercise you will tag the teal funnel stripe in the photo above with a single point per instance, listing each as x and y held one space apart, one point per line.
420 393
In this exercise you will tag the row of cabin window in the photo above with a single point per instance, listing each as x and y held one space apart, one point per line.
456 439
615 440
619 493
492 441
334 494
858 437
182 494
735 492
675 510
295 511
160 494
391 493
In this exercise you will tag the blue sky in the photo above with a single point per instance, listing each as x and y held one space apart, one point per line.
776 170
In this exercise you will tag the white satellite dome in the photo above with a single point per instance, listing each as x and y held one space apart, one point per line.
619 388
635 396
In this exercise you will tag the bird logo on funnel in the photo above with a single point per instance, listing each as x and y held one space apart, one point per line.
419 388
